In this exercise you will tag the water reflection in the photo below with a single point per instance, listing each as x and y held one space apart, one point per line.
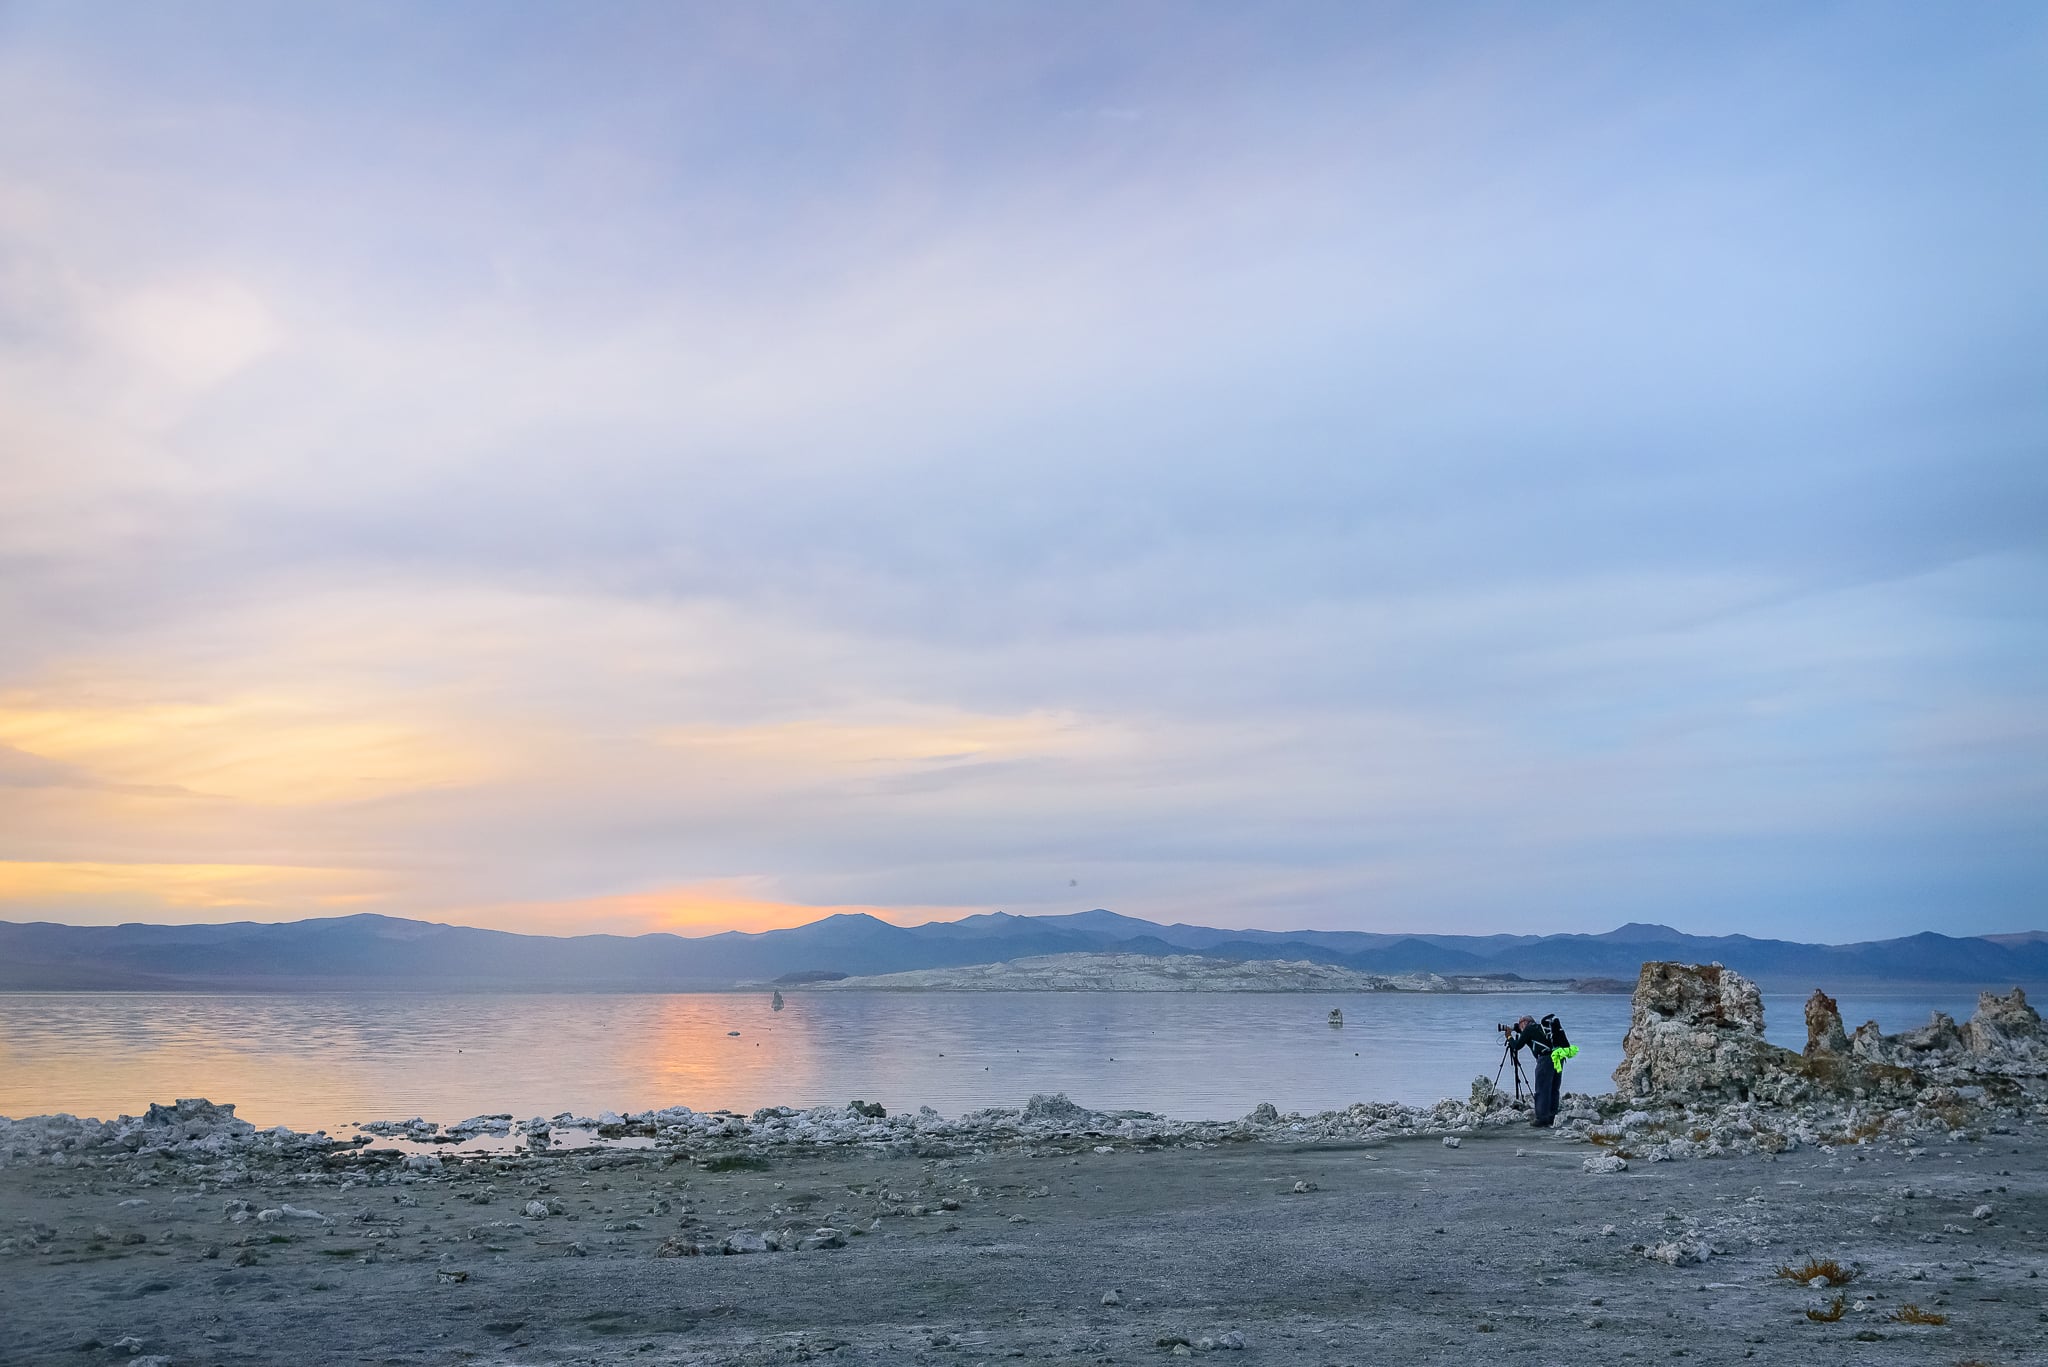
320 1061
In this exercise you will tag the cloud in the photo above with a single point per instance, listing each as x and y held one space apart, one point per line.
194 333
696 909
1437 473
99 893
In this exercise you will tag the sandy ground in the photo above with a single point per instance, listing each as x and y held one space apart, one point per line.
1502 1250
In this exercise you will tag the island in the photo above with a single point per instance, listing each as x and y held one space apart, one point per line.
1171 973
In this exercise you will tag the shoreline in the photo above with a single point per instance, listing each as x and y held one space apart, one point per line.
1055 1243
1881 1194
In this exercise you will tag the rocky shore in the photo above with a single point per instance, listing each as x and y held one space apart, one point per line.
188 1235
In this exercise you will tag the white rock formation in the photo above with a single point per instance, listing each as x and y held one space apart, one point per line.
1141 973
1695 1029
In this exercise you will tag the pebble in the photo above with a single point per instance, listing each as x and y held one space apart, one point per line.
1112 1298
292 1212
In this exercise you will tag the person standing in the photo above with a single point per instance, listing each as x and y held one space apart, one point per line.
1545 1039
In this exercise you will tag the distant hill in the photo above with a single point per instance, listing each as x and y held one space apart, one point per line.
371 951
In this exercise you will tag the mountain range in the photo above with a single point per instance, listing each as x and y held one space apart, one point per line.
382 952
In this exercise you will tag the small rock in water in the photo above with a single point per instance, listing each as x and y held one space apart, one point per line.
1112 1298
1452 1141
127 1343
1605 1162
1304 1187
536 1210
1983 1212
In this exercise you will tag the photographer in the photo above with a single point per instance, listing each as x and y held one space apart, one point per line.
1547 1041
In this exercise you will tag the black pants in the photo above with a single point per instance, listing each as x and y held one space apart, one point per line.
1548 1081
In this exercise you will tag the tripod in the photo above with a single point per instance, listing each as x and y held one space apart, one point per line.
1511 1057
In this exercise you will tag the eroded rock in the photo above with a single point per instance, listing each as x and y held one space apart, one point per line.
1696 1030
1824 1032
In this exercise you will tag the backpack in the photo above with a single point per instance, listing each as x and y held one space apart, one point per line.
1554 1028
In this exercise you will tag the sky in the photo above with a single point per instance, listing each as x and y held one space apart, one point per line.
1355 466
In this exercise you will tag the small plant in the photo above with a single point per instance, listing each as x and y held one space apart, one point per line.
1836 1308
1833 1272
1913 1314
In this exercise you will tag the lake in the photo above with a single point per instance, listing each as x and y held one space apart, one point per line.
325 1060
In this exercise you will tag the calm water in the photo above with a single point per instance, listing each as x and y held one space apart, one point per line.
322 1061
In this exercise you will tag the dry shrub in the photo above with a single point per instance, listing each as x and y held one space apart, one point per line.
1862 1132
1913 1314
1836 1309
1836 1274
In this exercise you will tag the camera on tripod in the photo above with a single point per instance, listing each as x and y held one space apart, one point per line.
1510 1057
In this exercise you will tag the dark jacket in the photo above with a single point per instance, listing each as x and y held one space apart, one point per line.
1539 1038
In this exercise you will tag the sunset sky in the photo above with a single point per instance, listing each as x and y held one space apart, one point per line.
1371 466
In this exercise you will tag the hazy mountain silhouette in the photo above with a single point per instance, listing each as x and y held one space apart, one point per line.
370 951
